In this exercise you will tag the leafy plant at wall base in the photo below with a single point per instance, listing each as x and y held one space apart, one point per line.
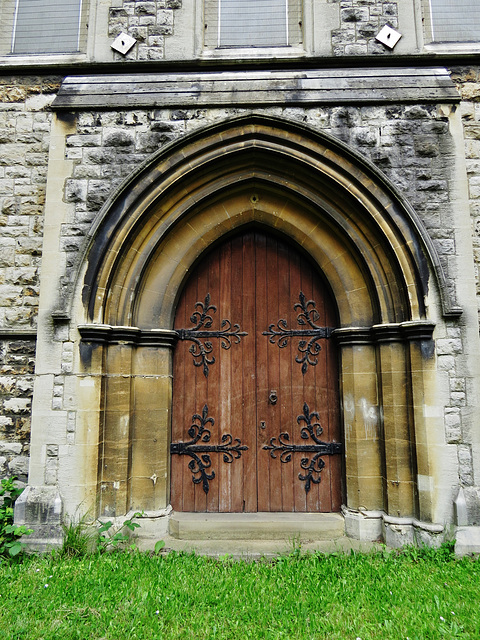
108 540
159 545
10 534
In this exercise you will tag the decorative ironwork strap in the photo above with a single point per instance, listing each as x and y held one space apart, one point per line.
313 466
308 317
202 319
198 465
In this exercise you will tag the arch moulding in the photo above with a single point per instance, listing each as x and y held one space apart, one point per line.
368 243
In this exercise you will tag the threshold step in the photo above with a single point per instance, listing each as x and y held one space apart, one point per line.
256 526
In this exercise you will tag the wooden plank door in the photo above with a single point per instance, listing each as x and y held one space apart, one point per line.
255 421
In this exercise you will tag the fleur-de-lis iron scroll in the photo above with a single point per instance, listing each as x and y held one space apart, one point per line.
313 431
307 318
202 320
200 453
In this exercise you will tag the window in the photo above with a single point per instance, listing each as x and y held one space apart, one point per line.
46 26
453 20
252 23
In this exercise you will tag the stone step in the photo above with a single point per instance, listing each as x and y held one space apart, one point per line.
256 526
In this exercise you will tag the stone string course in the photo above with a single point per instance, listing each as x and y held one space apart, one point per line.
148 22
360 21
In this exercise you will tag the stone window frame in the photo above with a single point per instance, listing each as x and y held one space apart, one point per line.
8 9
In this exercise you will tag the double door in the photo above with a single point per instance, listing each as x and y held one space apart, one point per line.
255 419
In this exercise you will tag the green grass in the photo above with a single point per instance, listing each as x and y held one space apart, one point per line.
134 595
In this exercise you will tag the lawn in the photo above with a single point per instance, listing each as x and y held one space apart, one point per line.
126 595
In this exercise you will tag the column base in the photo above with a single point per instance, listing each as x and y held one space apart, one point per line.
398 532
363 525
41 509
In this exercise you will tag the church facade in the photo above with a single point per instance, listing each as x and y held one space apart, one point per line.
239 264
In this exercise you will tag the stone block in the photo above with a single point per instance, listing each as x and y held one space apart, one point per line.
354 15
398 532
145 8
10 448
362 525
76 190
453 430
457 384
428 535
465 465
19 466
7 384
51 471
118 138
41 509
256 526
467 541
52 450
472 501
17 405
146 21
458 399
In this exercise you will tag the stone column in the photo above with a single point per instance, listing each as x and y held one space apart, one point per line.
421 351
151 421
396 414
363 438
115 438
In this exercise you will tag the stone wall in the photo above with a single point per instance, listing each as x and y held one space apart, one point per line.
410 144
360 22
148 22
17 361
24 143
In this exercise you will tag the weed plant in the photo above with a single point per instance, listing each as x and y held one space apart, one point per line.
415 594
79 537
82 536
10 544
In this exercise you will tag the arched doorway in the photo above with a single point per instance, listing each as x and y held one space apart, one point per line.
375 254
255 417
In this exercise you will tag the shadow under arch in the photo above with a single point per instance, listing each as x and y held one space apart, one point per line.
367 241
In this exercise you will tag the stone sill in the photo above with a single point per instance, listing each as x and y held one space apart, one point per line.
446 48
253 53
53 59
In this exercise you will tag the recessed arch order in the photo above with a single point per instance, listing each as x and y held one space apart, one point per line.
372 249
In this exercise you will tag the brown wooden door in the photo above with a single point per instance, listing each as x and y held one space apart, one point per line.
255 402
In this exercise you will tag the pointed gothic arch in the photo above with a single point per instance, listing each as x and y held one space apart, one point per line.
372 249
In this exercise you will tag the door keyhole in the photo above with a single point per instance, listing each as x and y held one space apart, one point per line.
263 424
